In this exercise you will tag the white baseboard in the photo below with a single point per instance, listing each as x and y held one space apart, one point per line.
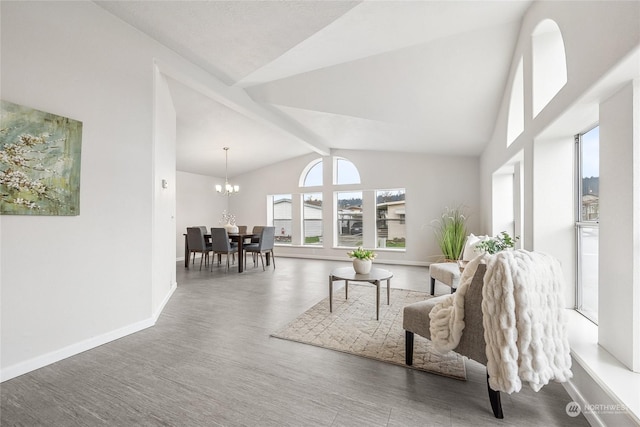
159 310
347 259
340 258
79 347
71 350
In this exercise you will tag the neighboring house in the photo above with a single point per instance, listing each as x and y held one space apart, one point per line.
391 220
282 214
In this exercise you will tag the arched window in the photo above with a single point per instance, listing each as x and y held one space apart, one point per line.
345 172
515 124
549 63
311 176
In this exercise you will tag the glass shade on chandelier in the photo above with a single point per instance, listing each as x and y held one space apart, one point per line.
227 189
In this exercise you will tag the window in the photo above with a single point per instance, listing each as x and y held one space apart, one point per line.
312 218
391 231
282 217
549 64
312 174
345 172
587 216
349 216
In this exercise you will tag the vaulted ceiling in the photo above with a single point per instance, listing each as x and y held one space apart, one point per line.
409 76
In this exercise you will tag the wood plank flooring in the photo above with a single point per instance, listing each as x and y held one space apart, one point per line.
210 361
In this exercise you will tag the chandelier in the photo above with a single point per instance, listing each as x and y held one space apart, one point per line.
228 189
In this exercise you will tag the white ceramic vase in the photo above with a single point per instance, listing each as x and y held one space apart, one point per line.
362 266
231 229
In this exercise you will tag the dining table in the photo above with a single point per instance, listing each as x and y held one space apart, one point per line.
239 238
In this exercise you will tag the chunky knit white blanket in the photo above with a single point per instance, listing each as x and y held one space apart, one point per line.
524 320
447 317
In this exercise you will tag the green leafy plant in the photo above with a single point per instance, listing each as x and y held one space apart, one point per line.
360 253
498 243
451 232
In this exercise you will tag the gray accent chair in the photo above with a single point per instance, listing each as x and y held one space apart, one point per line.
264 245
472 344
257 229
445 272
197 244
221 244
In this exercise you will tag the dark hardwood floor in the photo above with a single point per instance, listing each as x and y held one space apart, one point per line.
210 361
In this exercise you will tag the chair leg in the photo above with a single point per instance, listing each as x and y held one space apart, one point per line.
262 260
273 260
494 398
408 347
201 259
433 286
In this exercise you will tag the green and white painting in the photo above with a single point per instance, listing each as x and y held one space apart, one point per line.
39 162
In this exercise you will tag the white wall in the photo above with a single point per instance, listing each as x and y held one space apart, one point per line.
619 252
71 283
197 204
554 206
163 243
431 183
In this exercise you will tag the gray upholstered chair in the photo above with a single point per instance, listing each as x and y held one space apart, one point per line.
445 272
197 244
264 245
472 344
448 273
221 245
257 229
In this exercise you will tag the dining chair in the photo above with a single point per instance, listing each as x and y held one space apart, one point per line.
257 229
205 231
242 229
265 245
222 245
197 244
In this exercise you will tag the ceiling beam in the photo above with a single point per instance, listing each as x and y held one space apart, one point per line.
237 99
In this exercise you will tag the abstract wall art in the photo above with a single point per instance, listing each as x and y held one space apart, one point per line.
39 162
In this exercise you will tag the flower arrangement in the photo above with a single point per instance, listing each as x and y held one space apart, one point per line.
363 254
451 232
496 244
228 218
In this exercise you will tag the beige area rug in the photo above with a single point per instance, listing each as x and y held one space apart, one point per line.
352 328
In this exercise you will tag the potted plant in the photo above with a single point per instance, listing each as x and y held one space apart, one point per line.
362 259
451 232
498 243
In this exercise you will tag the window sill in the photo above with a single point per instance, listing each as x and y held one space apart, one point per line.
606 370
